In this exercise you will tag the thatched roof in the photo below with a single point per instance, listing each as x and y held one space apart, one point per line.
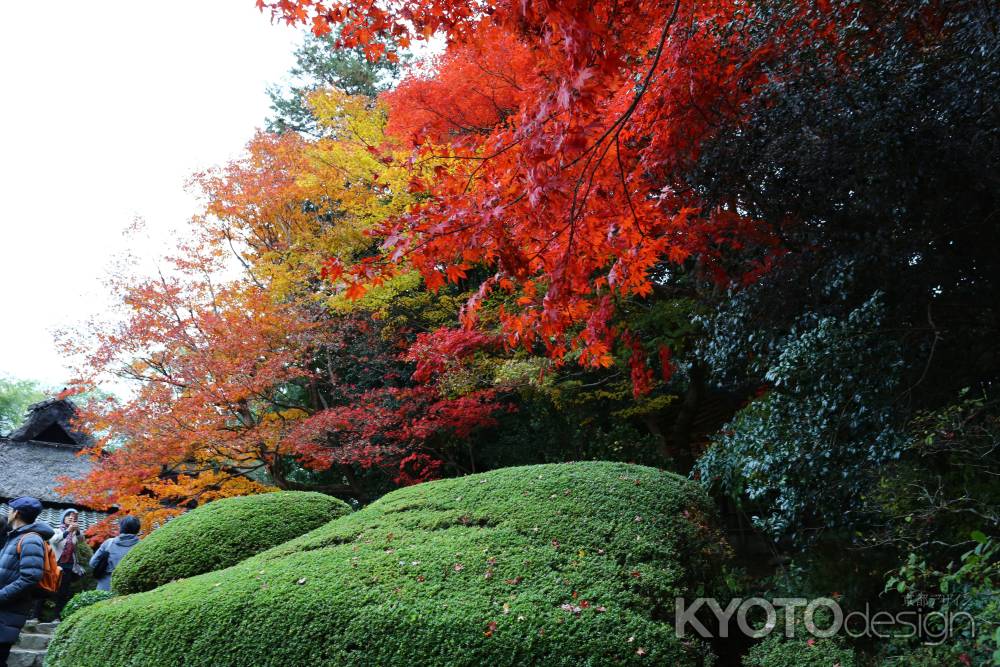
45 448
32 468
51 421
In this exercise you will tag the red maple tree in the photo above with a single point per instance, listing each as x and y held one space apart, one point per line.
567 179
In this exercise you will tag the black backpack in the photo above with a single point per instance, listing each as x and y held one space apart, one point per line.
101 564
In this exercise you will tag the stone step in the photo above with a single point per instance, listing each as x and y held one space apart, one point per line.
22 657
34 641
45 628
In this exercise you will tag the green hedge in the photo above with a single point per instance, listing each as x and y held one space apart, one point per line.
220 534
83 555
776 651
85 599
567 564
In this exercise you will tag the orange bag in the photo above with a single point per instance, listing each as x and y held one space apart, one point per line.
51 573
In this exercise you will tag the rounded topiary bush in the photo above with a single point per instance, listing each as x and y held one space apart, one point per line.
220 534
85 599
569 564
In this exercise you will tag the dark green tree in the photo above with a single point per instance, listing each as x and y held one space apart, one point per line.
320 63
884 181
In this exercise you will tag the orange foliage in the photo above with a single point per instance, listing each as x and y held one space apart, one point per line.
204 358
235 385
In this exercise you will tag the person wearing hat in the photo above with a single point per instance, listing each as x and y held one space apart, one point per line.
63 543
106 559
22 562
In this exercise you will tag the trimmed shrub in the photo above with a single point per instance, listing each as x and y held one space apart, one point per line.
566 564
777 652
84 599
220 534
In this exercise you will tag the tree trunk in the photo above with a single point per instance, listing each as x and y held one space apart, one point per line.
681 432
278 475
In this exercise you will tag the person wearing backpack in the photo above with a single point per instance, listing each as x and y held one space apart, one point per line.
22 568
111 552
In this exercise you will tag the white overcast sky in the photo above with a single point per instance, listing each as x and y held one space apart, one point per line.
106 108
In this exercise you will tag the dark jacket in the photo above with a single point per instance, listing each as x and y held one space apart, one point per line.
19 576
116 549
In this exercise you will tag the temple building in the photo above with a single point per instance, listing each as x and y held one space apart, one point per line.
43 449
